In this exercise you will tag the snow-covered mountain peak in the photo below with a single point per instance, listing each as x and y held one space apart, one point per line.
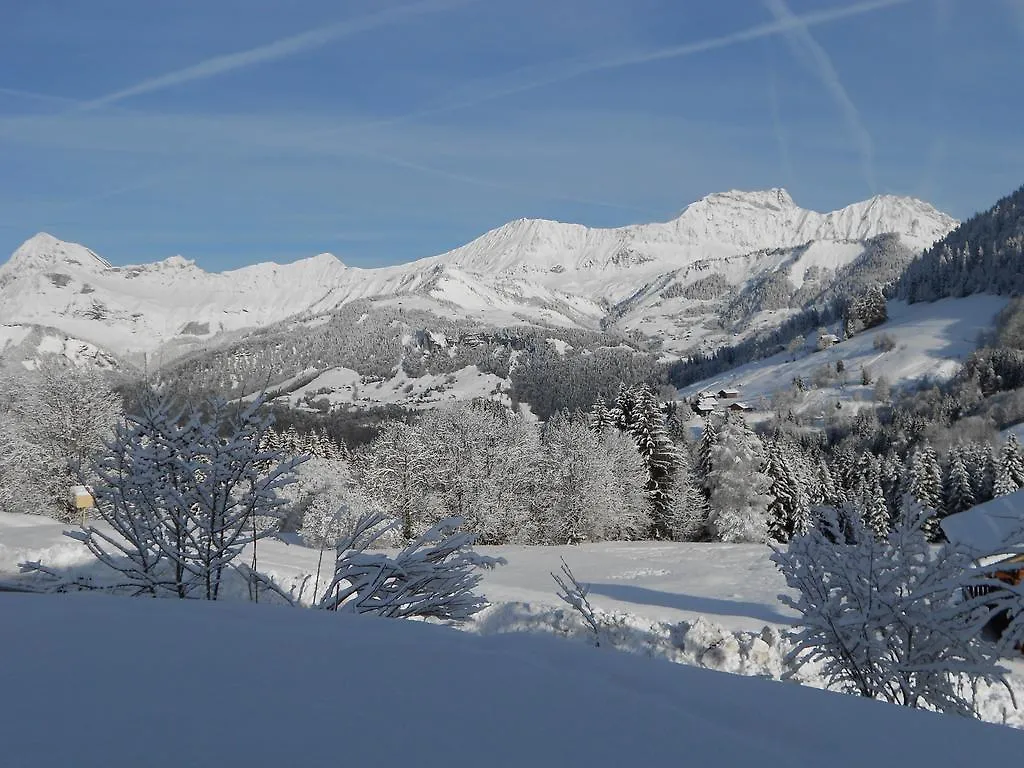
320 270
328 260
770 218
176 262
775 199
44 251
918 222
719 225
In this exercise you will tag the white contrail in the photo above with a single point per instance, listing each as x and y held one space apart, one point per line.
574 69
279 49
33 96
826 71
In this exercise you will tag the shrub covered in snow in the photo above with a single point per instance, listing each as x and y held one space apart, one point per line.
182 493
885 617
434 576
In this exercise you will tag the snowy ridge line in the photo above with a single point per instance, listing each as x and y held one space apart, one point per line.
535 271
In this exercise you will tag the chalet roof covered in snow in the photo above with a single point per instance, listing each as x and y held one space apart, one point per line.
989 526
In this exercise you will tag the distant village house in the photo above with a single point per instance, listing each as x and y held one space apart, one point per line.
827 340
705 406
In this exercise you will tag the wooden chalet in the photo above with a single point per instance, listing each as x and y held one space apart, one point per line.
705 405
988 529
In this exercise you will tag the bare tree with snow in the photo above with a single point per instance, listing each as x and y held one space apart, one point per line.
183 492
57 417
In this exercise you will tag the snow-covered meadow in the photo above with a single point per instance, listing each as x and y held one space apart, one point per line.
91 681
708 605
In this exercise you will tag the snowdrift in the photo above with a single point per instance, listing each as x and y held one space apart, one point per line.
104 681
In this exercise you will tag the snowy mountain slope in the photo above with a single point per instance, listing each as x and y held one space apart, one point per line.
525 271
931 340
26 344
139 308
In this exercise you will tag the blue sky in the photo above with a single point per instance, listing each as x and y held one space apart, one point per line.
237 131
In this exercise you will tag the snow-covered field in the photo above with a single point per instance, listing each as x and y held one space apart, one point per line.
706 605
343 386
92 681
931 340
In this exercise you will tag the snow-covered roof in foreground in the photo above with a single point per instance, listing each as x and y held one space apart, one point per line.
988 526
365 691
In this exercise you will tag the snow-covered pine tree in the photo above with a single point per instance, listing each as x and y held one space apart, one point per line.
705 448
875 509
787 509
863 474
826 490
981 469
843 469
291 441
622 411
924 483
659 455
738 488
959 494
601 417
890 473
690 509
1009 471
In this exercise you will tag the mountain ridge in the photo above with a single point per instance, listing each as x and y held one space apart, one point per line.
527 270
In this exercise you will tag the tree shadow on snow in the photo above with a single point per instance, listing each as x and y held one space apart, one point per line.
682 602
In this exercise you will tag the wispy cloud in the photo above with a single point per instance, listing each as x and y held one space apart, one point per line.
279 49
798 33
17 93
539 76
197 142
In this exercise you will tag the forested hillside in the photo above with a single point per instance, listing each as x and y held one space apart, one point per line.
982 255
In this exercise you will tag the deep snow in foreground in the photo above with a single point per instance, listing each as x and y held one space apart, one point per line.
91 680
705 605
